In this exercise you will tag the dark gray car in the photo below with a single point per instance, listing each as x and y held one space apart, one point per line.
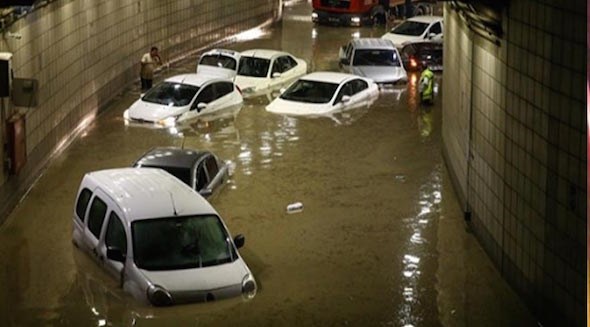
201 170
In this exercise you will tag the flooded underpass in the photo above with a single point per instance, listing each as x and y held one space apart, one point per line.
380 240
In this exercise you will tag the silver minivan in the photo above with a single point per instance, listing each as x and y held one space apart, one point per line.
374 58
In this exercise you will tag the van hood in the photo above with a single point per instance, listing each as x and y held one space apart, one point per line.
216 72
198 282
152 112
381 74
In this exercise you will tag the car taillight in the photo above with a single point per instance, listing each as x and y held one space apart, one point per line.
413 62
238 88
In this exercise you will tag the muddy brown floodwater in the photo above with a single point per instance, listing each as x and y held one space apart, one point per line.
380 241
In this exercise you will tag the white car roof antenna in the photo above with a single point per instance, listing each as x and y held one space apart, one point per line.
173 204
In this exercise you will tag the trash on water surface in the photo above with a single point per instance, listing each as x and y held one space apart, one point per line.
295 207
400 178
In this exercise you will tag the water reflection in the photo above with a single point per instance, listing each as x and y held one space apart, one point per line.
417 250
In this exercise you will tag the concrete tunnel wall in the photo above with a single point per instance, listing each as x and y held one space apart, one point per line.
86 52
523 103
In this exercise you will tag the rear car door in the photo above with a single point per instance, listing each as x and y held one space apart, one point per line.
222 96
82 203
94 221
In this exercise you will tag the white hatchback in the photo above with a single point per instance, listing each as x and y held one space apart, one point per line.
184 97
324 93
220 63
415 29
264 70
161 239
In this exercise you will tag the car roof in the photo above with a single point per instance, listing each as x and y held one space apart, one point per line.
227 52
262 53
372 43
194 79
330 77
170 157
425 19
145 193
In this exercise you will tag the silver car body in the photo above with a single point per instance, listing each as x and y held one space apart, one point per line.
381 74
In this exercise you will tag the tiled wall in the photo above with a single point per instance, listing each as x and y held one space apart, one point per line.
85 52
525 182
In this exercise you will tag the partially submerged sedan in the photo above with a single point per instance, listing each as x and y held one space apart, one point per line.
263 70
324 93
184 97
374 58
164 242
203 171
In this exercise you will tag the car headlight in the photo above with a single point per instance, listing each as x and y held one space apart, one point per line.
158 296
248 89
314 15
355 20
248 287
167 122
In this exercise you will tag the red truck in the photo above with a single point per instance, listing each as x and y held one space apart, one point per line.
363 12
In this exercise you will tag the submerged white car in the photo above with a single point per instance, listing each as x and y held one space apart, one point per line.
263 70
220 63
162 240
323 93
416 29
374 58
184 97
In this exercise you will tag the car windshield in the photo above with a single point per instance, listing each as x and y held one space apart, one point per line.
310 91
410 28
171 94
218 60
181 243
253 67
375 57
184 174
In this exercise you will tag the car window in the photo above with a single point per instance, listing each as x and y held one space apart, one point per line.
310 91
205 96
410 28
98 210
202 179
288 63
359 85
375 57
212 167
345 90
218 60
436 28
223 88
276 67
115 236
169 93
82 203
253 67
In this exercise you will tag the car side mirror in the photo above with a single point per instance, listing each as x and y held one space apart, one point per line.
430 36
276 74
345 61
201 106
239 240
282 90
345 99
206 192
115 254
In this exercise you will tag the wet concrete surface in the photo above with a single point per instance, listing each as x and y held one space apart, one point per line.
380 242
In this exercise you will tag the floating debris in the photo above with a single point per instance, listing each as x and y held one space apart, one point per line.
295 207
400 178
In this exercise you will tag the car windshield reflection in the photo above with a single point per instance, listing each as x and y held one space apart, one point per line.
310 92
253 67
375 58
218 61
171 94
410 28
181 243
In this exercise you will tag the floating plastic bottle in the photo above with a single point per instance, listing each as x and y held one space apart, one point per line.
295 207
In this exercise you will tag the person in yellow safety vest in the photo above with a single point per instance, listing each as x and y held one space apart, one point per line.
426 86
